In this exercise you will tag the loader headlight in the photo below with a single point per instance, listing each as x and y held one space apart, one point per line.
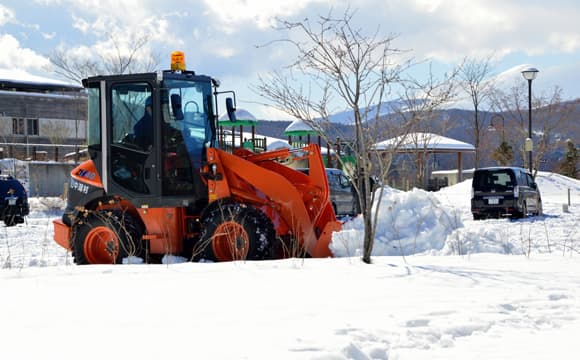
214 169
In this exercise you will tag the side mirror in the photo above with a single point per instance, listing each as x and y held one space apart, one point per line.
176 106
231 109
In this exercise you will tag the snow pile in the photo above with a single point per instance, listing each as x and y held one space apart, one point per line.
41 207
408 223
479 240
441 223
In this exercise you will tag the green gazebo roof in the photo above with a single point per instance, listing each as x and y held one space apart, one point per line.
243 117
299 128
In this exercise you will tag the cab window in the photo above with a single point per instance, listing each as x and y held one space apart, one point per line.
131 134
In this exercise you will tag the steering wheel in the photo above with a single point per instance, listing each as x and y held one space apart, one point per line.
191 102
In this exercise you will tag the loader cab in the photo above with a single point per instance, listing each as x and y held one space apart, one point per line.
148 135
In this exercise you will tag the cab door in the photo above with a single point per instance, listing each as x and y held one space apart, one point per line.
131 162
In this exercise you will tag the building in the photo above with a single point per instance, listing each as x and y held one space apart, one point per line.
40 119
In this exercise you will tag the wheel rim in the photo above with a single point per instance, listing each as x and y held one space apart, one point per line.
101 246
230 242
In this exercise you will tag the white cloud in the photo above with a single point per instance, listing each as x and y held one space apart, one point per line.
224 52
14 56
452 29
6 15
116 25
80 24
48 36
220 36
258 12
565 42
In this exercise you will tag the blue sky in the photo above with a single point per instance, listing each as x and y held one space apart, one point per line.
219 37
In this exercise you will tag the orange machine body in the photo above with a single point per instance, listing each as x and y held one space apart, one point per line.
297 204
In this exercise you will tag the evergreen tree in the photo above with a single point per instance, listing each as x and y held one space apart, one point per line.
569 165
503 154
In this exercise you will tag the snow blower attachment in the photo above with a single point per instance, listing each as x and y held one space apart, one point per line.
157 183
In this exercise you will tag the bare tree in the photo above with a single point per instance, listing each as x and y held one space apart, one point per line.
343 66
477 83
123 59
56 131
419 108
551 117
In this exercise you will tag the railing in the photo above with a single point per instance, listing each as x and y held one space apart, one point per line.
256 144
42 152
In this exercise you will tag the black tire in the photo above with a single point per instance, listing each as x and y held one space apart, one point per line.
106 237
524 213
234 231
540 209
478 217
12 220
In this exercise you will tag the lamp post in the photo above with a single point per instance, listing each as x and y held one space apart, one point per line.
529 74
492 126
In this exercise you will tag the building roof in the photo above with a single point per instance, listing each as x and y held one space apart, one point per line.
425 142
23 81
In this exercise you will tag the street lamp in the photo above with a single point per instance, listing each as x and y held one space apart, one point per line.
529 74
493 127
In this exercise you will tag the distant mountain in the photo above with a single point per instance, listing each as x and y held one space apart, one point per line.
386 108
454 123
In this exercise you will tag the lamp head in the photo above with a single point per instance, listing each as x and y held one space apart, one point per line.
530 73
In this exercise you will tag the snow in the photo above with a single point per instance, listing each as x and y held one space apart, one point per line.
420 140
298 126
21 76
241 115
464 289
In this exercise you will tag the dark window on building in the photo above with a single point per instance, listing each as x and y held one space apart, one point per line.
32 127
17 126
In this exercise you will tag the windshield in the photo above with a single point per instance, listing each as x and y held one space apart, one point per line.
187 106
187 131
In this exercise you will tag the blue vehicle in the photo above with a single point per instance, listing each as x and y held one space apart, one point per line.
13 201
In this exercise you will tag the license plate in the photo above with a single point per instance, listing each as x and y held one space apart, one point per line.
493 201
12 201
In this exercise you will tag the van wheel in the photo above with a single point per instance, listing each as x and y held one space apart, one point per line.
234 231
524 213
12 220
106 237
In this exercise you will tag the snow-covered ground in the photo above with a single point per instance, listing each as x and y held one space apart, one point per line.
441 286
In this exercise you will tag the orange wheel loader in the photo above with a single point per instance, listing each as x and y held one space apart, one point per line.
157 184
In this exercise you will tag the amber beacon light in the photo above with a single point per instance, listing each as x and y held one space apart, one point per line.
178 61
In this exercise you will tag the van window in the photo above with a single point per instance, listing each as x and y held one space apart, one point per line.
530 180
501 179
522 180
333 180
